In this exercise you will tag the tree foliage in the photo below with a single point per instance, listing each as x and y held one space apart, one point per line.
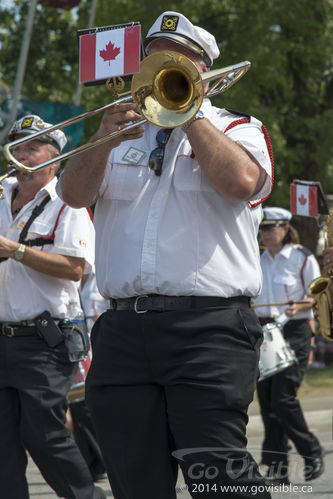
289 86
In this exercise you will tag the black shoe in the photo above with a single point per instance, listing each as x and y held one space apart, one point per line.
314 467
99 493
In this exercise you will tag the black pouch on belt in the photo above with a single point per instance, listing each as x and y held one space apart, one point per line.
76 339
48 329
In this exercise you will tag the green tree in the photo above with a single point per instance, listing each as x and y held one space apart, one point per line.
52 54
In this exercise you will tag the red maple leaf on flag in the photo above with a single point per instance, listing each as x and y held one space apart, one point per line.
110 52
302 199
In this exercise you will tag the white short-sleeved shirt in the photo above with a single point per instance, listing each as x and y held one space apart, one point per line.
92 301
174 234
25 293
286 277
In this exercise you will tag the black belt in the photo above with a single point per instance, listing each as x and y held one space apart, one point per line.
158 303
17 329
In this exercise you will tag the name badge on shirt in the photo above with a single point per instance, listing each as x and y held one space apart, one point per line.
133 155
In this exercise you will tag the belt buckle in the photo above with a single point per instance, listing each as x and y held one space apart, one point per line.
7 330
135 306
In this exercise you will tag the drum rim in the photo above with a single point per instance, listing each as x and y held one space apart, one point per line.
272 325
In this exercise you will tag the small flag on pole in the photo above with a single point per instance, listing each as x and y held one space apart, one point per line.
307 199
108 52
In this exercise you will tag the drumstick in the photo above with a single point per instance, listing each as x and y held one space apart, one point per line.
279 303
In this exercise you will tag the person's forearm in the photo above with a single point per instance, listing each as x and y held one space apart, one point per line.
228 167
309 302
61 266
83 175
52 264
294 308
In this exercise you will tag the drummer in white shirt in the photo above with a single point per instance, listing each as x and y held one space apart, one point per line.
287 268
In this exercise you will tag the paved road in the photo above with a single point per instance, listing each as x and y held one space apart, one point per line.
319 415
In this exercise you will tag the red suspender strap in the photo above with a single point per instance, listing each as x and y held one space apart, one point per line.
51 237
301 273
57 221
58 217
90 213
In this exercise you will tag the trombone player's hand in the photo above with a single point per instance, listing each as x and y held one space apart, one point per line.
118 117
86 170
328 259
7 247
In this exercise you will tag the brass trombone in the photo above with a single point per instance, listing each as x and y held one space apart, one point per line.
168 92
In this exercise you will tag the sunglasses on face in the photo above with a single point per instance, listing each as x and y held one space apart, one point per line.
157 155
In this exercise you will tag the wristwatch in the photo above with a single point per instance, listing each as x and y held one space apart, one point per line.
19 253
199 116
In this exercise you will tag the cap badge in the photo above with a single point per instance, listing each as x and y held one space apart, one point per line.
169 23
27 122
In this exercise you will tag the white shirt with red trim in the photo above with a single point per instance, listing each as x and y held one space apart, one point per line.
174 234
286 277
26 293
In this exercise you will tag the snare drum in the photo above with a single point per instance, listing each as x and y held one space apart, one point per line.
77 390
275 352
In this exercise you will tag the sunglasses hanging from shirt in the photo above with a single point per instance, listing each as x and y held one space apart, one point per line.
157 155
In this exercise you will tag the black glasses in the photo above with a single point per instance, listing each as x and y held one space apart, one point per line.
157 155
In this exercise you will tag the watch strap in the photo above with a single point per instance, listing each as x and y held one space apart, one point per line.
19 253
199 116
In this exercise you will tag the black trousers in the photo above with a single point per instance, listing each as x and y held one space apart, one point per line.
85 437
34 381
173 388
281 411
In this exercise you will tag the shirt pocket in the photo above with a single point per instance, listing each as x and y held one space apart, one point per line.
286 278
188 175
39 229
126 181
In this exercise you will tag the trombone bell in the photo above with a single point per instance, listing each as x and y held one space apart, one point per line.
168 91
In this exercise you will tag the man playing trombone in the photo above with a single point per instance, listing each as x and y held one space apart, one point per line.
176 356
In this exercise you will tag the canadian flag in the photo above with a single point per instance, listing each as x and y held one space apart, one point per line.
108 53
304 200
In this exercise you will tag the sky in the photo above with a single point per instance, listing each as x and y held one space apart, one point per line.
6 3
